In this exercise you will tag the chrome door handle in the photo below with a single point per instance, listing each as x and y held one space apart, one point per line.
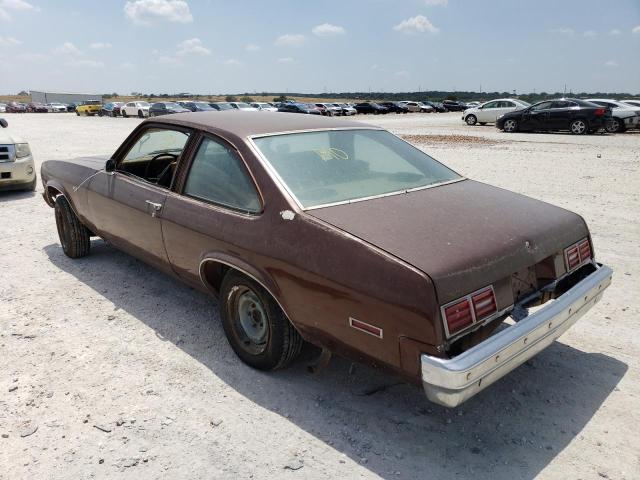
155 206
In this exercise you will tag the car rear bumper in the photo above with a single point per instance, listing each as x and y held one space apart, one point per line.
450 382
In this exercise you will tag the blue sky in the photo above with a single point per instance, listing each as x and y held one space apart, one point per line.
214 46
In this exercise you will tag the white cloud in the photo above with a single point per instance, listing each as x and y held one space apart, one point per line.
635 29
193 46
148 11
563 31
615 31
233 62
285 60
67 48
16 5
436 3
252 48
417 24
589 33
290 40
9 42
327 30
611 63
100 45
85 63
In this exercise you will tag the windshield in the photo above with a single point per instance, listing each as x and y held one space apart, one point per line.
335 166
203 106
243 105
172 105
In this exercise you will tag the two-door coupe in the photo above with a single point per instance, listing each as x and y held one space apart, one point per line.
341 234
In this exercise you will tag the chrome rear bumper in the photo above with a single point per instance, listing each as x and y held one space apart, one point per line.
450 382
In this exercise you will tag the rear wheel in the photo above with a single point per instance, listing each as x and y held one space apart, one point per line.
124 113
74 237
140 114
510 125
615 125
471 120
257 329
483 123
579 127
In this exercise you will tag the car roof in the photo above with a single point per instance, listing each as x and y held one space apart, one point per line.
245 124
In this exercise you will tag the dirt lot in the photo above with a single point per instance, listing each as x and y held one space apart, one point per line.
113 370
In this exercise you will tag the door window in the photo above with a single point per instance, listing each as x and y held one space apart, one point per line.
491 105
542 106
218 175
154 155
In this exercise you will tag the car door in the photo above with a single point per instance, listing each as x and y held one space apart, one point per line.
218 210
487 113
559 115
126 205
536 117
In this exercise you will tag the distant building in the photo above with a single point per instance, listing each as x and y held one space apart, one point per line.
48 97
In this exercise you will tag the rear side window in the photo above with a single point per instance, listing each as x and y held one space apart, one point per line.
217 175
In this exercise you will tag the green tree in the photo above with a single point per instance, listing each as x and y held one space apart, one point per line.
230 98
246 99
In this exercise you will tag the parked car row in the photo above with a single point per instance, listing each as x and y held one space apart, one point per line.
579 116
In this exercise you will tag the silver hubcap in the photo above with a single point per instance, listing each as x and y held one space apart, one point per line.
509 125
252 316
471 120
578 127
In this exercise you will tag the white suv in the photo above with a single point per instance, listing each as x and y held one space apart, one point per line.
135 109
17 170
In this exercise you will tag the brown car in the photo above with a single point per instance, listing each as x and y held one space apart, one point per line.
341 234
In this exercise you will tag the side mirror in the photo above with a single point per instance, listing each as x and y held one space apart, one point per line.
110 166
4 123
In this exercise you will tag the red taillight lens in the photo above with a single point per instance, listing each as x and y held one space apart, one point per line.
600 112
458 316
484 303
577 254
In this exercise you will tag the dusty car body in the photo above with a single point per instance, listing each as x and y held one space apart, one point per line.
17 169
420 278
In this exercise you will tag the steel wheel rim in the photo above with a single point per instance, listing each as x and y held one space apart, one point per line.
578 126
510 125
471 120
252 321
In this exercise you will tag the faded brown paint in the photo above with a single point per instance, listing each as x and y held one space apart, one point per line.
390 262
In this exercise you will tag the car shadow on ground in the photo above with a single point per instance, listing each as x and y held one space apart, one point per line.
12 195
511 430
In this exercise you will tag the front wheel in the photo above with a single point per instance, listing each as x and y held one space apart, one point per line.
615 125
510 125
257 329
579 127
124 113
471 120
74 237
140 114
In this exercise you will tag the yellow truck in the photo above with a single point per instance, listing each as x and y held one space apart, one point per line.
91 107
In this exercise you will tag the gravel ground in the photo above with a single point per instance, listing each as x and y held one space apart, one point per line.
113 370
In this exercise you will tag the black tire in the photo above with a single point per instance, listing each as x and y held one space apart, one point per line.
471 119
74 237
510 125
615 125
483 123
124 114
140 114
78 113
278 342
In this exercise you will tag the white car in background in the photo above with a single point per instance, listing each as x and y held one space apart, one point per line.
417 106
243 106
267 107
623 115
17 170
3 107
135 109
633 103
347 109
489 111
56 107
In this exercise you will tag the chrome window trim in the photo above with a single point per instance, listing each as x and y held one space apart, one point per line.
285 188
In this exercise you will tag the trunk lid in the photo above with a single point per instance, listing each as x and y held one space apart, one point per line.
463 235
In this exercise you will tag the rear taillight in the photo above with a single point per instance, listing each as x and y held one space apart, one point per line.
600 112
484 303
473 308
577 254
458 316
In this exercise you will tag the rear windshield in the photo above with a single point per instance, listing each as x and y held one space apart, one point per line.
336 166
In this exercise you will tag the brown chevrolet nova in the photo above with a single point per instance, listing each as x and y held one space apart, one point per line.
341 234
